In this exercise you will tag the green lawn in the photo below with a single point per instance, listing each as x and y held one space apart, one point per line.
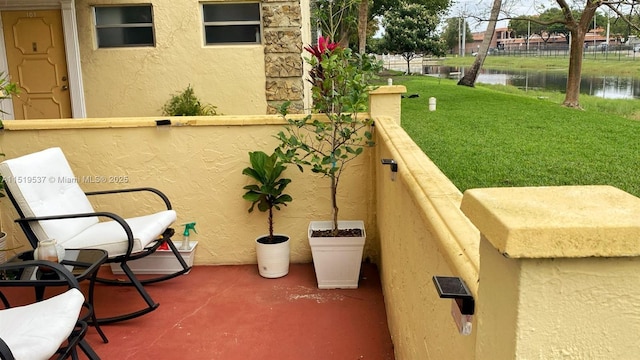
482 137
623 66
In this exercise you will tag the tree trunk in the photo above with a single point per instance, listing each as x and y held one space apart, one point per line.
334 202
572 95
578 31
271 224
470 77
363 16
344 38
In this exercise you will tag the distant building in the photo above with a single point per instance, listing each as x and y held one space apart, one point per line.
504 39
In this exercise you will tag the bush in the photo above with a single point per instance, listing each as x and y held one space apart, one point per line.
187 103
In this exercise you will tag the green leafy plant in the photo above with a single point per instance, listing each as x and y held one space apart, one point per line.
267 193
186 103
340 86
7 89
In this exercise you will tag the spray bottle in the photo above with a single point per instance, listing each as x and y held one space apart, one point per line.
185 238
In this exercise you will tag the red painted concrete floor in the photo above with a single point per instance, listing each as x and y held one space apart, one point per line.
230 312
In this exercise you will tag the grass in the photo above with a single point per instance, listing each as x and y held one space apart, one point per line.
623 66
481 137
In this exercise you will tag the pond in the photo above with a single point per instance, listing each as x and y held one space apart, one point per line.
608 87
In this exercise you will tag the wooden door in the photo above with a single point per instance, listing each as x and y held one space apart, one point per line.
34 45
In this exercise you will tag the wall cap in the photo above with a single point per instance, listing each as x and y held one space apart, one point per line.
556 221
393 89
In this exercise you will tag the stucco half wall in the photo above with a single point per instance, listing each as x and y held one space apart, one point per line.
198 163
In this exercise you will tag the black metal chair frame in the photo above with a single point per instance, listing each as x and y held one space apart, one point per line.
122 260
76 338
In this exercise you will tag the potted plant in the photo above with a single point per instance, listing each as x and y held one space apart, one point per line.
267 194
326 144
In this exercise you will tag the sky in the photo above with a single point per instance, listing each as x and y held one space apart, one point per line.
481 8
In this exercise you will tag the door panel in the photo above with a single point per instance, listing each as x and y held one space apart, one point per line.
35 54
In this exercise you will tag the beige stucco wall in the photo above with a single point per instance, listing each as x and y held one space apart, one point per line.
198 163
422 233
138 81
559 272
558 308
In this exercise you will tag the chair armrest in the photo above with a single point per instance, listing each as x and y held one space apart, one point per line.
5 352
162 196
115 217
62 271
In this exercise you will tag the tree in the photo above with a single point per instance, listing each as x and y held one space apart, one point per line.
437 7
363 17
337 19
578 23
360 13
526 29
470 77
620 29
340 86
548 16
410 30
452 36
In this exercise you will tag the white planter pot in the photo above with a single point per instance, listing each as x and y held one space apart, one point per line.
273 259
337 260
161 261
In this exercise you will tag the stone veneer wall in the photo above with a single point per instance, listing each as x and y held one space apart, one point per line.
282 24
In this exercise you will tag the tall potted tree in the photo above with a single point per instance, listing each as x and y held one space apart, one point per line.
327 144
267 194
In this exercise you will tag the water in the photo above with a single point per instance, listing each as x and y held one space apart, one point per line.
608 87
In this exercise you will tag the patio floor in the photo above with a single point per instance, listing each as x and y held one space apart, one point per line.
230 312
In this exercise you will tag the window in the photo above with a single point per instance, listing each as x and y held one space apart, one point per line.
231 23
124 26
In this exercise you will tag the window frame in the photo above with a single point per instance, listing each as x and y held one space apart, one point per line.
150 24
206 24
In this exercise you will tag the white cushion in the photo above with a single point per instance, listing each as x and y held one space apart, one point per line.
110 236
37 330
43 184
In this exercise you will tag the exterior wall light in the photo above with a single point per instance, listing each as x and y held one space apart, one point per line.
163 125
463 306
394 167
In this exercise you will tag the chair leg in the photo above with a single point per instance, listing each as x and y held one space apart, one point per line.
133 280
94 319
76 338
88 350
139 284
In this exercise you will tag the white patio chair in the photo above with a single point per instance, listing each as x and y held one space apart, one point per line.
49 207
43 329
